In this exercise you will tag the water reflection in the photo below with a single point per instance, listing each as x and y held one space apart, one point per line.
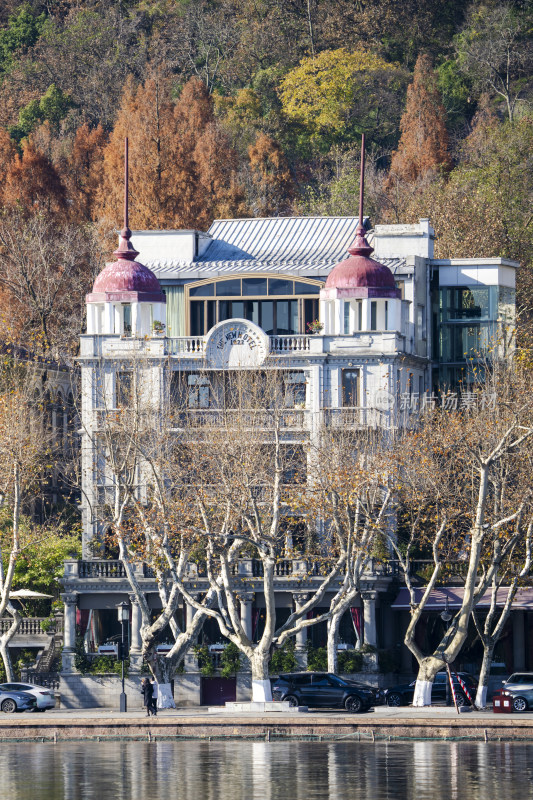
233 770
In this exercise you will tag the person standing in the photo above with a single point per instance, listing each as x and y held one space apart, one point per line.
148 692
153 703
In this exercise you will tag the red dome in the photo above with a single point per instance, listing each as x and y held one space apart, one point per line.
360 276
358 272
126 279
126 276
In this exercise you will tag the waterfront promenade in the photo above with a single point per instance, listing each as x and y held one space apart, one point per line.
383 723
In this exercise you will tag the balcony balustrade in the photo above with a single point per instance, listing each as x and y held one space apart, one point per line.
33 626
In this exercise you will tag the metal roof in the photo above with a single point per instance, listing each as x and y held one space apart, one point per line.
324 239
305 246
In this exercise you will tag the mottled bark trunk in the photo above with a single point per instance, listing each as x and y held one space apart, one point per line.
333 640
4 648
483 685
427 670
261 687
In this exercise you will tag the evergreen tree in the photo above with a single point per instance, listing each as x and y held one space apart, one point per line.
423 146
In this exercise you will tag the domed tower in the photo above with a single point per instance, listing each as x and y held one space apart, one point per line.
126 298
360 293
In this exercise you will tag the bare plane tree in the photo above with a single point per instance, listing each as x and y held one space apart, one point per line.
449 472
246 478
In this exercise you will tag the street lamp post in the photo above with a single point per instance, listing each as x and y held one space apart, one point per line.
123 618
446 617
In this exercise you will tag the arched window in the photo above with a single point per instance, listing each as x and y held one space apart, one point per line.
279 304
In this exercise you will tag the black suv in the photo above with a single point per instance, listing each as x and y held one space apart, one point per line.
323 690
402 695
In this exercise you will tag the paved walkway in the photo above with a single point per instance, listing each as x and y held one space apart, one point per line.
380 713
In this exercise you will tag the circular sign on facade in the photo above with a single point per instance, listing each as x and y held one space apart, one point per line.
236 343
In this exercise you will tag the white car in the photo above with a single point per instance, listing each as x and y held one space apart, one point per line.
45 697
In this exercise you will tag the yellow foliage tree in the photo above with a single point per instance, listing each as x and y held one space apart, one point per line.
341 93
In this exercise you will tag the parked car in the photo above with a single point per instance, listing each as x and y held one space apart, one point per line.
11 701
323 690
45 697
520 687
402 695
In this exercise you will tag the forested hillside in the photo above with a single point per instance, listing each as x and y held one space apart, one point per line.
253 108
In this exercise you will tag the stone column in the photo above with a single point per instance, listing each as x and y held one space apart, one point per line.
135 319
69 631
190 662
366 314
519 642
136 641
247 599
369 618
109 318
300 599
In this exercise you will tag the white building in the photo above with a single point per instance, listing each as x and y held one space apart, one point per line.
249 292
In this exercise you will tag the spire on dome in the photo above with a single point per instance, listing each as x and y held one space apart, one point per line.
125 249
360 246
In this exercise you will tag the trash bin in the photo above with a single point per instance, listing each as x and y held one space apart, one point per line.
502 703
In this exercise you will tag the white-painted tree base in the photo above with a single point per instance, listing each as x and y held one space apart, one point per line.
261 691
422 695
481 696
164 696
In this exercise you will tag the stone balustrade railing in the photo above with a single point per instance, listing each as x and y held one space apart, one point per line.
33 626
299 567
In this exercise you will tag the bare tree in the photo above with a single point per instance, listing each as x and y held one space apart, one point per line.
246 477
494 50
449 470
349 492
45 270
491 628
134 455
24 444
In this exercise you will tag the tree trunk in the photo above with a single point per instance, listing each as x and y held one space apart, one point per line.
261 686
424 681
333 640
481 694
4 646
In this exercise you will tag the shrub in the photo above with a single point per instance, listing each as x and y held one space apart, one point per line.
230 660
205 660
284 658
317 658
350 661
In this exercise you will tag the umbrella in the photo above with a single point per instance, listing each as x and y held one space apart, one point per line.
28 594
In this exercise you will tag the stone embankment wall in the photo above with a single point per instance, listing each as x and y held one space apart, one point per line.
102 691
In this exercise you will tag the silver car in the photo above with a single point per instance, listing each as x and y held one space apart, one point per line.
520 687
45 697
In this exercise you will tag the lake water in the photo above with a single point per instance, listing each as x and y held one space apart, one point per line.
236 770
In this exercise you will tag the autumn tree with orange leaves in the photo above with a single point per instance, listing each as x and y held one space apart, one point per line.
46 268
183 172
33 185
271 177
82 170
423 148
